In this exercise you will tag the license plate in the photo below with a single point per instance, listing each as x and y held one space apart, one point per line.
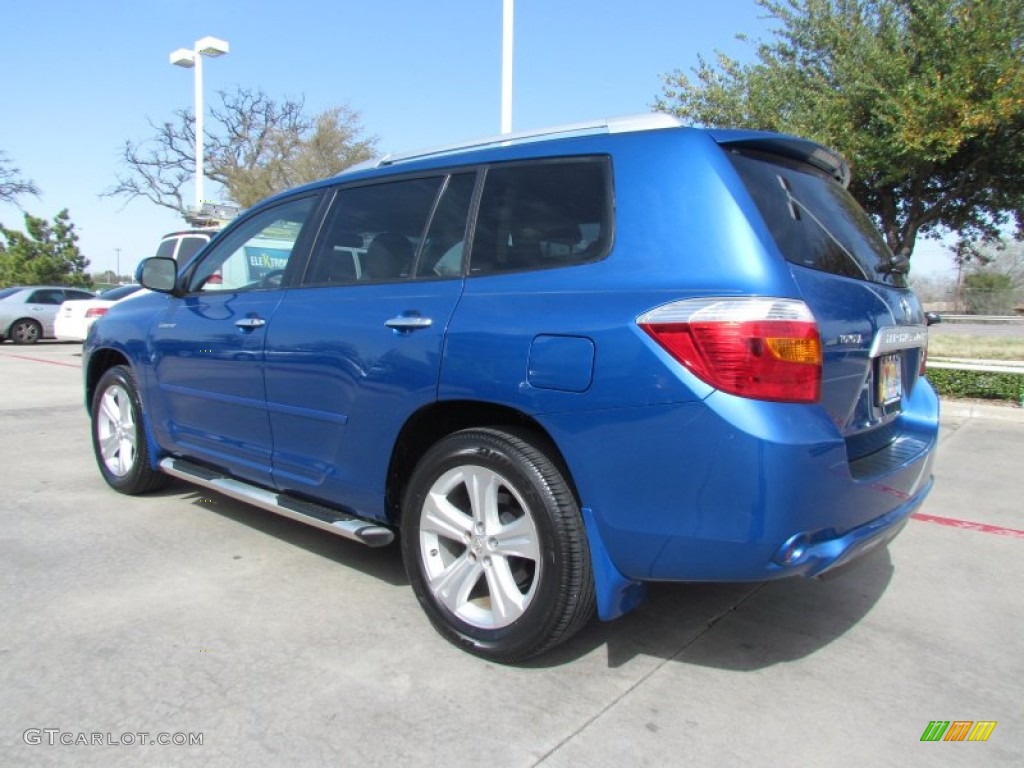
890 379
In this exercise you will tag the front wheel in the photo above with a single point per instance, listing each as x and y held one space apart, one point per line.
118 438
494 545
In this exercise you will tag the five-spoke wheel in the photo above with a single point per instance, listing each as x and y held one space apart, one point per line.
118 439
495 546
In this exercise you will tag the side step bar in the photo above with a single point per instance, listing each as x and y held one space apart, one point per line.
309 512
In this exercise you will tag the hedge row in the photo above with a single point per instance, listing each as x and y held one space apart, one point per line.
950 382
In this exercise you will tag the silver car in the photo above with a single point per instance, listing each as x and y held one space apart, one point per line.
27 312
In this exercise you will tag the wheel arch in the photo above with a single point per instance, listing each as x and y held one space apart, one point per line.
101 361
437 420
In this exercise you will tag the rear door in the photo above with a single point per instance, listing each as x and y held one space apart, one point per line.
355 351
872 326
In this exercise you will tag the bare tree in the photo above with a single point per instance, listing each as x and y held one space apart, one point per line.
256 146
12 186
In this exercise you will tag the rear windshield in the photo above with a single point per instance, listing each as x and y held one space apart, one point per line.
814 221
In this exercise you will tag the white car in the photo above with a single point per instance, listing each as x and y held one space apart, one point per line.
74 318
27 312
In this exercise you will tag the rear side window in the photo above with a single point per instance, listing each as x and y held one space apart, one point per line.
814 221
542 214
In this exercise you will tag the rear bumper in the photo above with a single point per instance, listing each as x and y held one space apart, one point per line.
737 490
819 557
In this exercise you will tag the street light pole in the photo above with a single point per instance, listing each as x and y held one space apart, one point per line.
200 167
506 65
193 59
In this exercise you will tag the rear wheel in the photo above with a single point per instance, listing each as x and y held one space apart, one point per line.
25 331
118 438
494 545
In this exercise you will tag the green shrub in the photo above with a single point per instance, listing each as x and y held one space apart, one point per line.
951 382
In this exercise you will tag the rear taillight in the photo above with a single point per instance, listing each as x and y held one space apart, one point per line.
95 312
762 348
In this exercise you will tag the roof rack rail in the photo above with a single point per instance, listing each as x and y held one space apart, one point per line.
621 124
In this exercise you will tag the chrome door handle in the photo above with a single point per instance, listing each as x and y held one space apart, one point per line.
250 323
408 322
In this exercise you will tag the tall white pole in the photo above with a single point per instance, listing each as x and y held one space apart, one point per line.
506 66
199 129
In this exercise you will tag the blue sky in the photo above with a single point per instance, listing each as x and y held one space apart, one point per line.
79 79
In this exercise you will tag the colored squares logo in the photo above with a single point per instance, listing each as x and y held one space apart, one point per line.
958 730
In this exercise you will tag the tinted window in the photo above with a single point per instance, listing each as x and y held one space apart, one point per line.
543 214
189 247
814 221
166 248
46 296
120 292
255 253
373 233
78 295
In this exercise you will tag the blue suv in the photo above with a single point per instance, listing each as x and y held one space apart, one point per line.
555 365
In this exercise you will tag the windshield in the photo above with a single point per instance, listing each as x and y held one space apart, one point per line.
5 292
815 222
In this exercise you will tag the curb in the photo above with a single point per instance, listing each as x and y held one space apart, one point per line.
966 409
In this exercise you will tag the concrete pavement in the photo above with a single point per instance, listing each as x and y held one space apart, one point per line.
183 613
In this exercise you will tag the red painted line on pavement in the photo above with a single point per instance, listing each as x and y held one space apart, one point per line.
40 360
952 522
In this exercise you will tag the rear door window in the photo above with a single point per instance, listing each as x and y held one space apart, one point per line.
47 296
373 233
814 221
543 214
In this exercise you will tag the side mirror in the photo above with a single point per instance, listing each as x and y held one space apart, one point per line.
932 318
158 274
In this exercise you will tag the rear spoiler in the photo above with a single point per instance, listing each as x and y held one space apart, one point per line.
806 151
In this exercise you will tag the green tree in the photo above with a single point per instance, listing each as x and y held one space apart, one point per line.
46 253
254 146
12 185
987 292
925 99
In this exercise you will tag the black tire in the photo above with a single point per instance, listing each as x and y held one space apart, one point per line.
118 437
505 576
25 331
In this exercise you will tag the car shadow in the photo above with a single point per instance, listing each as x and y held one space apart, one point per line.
384 563
738 627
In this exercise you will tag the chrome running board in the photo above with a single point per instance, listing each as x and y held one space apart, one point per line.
365 532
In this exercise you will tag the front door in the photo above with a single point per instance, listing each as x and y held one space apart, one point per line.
208 346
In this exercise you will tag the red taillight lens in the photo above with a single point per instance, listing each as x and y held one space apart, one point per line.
766 349
95 312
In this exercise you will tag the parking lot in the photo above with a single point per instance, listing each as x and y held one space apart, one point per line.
184 613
